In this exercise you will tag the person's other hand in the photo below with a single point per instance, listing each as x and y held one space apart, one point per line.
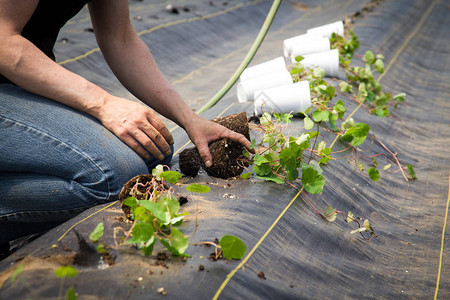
137 126
202 132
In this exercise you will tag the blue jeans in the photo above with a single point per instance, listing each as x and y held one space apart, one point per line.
56 162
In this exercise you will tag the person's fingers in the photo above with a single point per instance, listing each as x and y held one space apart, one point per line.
160 127
204 152
133 144
157 138
147 143
237 137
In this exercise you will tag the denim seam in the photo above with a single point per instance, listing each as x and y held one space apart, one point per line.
71 147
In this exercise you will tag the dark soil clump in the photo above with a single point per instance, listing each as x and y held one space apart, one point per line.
225 153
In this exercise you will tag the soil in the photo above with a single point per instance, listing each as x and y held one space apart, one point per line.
261 275
225 153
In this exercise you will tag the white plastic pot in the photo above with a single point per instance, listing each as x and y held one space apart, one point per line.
312 46
328 29
329 61
284 99
246 89
275 65
298 40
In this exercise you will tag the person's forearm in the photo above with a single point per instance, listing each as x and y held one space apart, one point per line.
135 67
25 65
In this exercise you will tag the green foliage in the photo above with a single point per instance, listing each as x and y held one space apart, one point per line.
246 175
312 180
232 247
16 273
171 176
357 134
97 233
157 216
66 271
330 213
411 171
177 244
70 294
198 188
373 174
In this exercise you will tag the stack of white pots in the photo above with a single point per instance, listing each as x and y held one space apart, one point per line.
270 84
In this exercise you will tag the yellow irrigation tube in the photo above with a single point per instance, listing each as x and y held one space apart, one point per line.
81 221
442 242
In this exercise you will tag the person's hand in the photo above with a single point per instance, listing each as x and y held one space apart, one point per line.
202 132
137 126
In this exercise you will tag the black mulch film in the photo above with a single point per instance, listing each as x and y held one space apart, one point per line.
301 255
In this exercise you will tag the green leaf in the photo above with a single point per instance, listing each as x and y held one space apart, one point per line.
141 233
381 112
156 172
171 203
366 225
374 174
147 248
246 175
171 176
296 70
198 188
330 91
330 213
369 57
16 273
374 162
292 175
232 247
158 211
177 244
379 66
350 217
313 164
345 87
319 73
361 167
252 146
340 108
321 115
356 135
288 159
312 180
299 58
271 177
411 171
262 170
66 271
259 160
348 124
130 201
320 146
309 124
70 294
361 229
101 248
97 233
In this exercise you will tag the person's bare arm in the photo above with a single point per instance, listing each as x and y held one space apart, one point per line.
28 67
133 64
